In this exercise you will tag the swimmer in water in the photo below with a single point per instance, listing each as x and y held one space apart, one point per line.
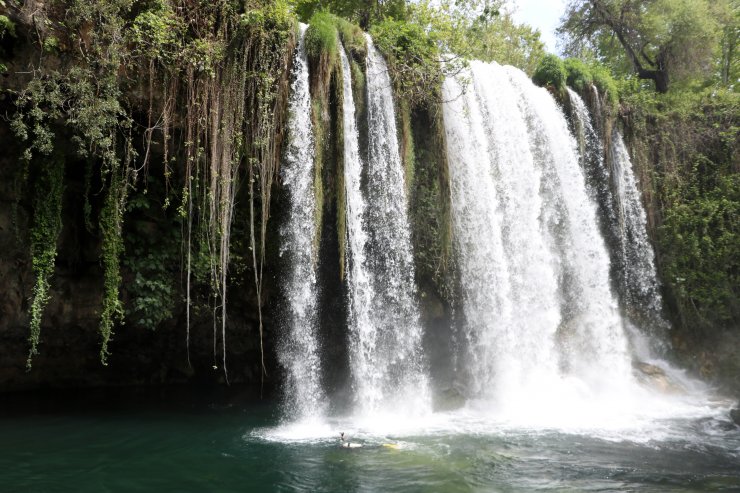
346 443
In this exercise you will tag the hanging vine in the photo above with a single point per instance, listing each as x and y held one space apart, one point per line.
215 81
270 46
111 223
47 224
232 94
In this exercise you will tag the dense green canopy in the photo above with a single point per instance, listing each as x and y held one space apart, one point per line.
659 40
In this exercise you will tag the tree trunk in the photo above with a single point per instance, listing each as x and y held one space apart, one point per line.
661 81
659 77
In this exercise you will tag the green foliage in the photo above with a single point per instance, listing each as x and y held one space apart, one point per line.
325 30
47 224
413 59
7 27
39 104
78 99
605 83
268 17
362 12
96 113
581 75
51 44
151 251
666 41
352 36
550 72
729 61
156 33
205 54
578 74
506 42
321 36
478 29
110 223
688 143
701 238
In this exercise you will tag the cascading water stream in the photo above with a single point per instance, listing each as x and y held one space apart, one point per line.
640 278
615 190
540 319
299 349
358 277
385 333
544 345
593 163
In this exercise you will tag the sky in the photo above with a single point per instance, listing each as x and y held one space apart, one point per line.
541 14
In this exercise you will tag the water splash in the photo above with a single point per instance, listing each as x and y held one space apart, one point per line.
299 349
385 333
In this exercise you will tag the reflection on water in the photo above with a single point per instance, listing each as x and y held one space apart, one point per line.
193 440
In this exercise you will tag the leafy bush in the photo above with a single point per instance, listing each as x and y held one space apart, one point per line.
605 83
6 26
550 72
321 36
412 56
155 33
700 236
578 74
150 257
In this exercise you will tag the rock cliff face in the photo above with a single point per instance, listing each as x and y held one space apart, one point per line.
675 154
91 103
156 352
70 341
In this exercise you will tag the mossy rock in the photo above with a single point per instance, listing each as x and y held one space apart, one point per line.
322 36
324 33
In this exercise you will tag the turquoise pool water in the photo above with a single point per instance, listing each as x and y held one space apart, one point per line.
185 440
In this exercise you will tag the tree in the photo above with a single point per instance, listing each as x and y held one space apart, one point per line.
479 29
363 12
661 39
728 46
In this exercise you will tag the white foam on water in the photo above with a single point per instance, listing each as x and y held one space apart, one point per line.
309 430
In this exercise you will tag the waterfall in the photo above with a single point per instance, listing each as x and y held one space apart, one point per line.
593 163
640 280
615 190
385 333
540 318
299 348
